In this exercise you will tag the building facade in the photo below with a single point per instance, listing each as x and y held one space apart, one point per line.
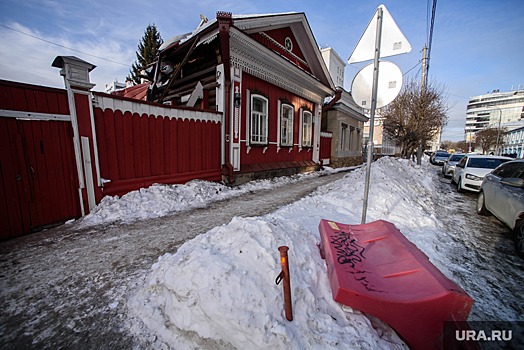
345 120
266 74
513 141
493 110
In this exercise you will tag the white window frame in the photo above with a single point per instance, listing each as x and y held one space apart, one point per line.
258 121
307 129
286 124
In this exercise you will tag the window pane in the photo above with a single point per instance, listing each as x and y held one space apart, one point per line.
258 104
286 126
263 130
306 129
258 120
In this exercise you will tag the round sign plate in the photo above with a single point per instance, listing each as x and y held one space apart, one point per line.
389 84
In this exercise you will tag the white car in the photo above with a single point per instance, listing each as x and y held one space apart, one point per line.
449 165
471 169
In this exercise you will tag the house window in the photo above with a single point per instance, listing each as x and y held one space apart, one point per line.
307 128
343 136
259 120
286 125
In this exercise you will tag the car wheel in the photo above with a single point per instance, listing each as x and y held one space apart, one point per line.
459 186
519 238
481 206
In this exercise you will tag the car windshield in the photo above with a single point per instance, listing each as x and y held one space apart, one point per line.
456 157
442 155
485 163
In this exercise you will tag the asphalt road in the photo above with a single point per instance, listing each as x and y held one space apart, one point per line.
66 288
481 246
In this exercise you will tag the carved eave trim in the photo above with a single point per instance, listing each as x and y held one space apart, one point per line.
299 25
140 108
257 60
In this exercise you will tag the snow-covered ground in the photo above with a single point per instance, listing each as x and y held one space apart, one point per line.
106 281
218 290
160 200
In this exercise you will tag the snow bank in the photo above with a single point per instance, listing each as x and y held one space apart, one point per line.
159 200
218 290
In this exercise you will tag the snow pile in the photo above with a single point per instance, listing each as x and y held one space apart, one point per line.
160 200
218 290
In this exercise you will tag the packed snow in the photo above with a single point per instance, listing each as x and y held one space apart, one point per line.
218 290
159 200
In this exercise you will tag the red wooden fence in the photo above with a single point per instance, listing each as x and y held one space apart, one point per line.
38 179
137 149
136 144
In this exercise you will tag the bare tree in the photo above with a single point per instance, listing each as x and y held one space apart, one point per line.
487 138
463 146
415 117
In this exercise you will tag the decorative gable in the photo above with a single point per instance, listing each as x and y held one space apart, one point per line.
283 42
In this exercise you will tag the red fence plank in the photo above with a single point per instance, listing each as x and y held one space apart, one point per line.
167 150
12 219
137 144
6 98
126 143
120 150
173 146
146 148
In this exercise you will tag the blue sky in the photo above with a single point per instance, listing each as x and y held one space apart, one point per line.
478 46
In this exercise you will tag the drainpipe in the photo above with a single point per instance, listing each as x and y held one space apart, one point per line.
225 21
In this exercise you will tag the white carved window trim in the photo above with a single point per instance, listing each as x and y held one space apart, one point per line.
307 128
286 124
258 121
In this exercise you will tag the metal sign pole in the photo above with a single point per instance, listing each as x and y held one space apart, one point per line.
378 38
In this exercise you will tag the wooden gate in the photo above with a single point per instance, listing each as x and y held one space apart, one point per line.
38 177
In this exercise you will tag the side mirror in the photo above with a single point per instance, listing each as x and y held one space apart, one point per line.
459 165
513 182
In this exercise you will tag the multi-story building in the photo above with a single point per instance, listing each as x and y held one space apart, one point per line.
493 110
335 65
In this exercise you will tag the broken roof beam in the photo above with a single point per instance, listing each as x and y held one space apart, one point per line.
179 68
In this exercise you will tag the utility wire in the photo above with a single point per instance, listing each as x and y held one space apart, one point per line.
65 47
415 66
431 26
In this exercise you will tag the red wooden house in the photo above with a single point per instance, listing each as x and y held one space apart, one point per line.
239 98
265 74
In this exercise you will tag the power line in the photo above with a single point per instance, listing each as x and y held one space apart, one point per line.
415 66
59 45
431 26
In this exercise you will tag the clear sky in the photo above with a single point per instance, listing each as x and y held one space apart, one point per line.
478 46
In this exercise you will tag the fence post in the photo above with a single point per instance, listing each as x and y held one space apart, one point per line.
76 78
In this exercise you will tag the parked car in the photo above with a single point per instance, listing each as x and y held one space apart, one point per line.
439 157
471 169
502 194
449 165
